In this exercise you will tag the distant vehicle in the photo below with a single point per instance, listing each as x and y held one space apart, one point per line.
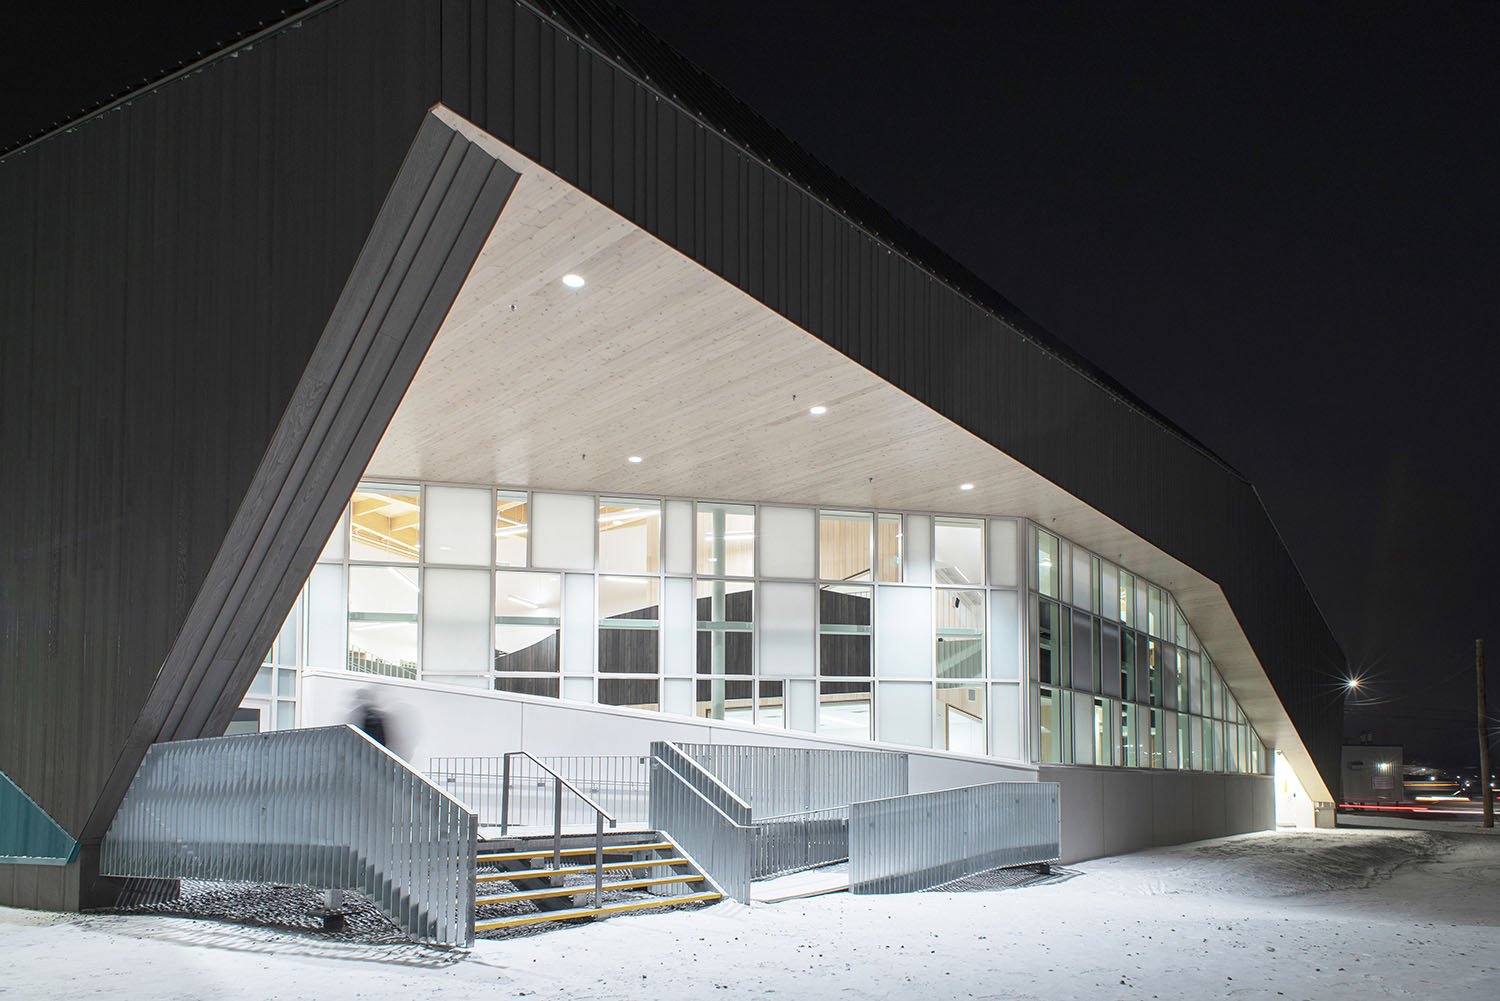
1424 783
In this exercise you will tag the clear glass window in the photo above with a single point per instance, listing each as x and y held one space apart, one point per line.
512 524
844 709
385 523
383 620
844 631
1127 598
528 618
1050 717
629 536
845 545
633 693
888 543
962 718
958 551
629 625
726 616
725 698
726 540
1048 567
959 621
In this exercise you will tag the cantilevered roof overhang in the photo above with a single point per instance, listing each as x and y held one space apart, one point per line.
531 382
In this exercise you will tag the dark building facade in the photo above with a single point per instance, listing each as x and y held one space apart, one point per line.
177 269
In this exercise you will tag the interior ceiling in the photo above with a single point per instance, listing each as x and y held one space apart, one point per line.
531 383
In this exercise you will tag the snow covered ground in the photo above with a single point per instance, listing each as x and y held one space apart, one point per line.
1330 914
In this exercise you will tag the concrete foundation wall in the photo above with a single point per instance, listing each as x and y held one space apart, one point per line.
1109 811
427 720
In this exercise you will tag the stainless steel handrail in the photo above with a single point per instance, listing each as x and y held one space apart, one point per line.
559 783
719 847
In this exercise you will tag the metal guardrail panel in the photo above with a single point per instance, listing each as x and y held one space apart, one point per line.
619 783
777 781
909 843
706 821
328 808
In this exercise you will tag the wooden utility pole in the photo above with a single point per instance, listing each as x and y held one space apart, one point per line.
1485 789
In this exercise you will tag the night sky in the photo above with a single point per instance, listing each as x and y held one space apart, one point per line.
1280 227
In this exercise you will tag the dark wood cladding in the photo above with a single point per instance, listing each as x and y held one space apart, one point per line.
167 266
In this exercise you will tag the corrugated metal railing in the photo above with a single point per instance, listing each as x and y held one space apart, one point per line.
327 808
710 824
617 782
910 843
799 796
777 781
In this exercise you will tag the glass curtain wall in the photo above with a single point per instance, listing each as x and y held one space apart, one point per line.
1119 676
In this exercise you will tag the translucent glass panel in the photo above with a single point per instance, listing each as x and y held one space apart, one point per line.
679 632
629 536
788 629
677 696
677 537
629 625
1109 592
528 621
958 648
1104 721
726 540
1006 629
844 709
456 616
383 620
1156 612
961 718
726 615
903 622
458 526
1005 721
904 713
786 542
1004 535
888 545
846 545
958 551
385 523
802 704
1083 580
916 541
512 522
578 627
1048 562
325 617
562 531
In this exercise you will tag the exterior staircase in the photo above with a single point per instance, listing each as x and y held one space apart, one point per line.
528 881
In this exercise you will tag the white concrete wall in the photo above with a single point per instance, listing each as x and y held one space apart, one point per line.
1109 811
1294 807
430 720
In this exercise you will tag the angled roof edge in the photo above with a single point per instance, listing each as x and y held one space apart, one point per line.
616 35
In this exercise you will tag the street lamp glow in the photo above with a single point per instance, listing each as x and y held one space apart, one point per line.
1352 684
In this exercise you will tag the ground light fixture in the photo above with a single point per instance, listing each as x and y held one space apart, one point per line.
966 487
573 280
818 411
635 460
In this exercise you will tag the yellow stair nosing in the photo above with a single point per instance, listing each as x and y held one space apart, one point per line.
583 888
655 846
594 912
570 870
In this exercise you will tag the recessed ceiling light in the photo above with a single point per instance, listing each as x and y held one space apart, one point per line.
966 486
635 459
818 411
574 281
